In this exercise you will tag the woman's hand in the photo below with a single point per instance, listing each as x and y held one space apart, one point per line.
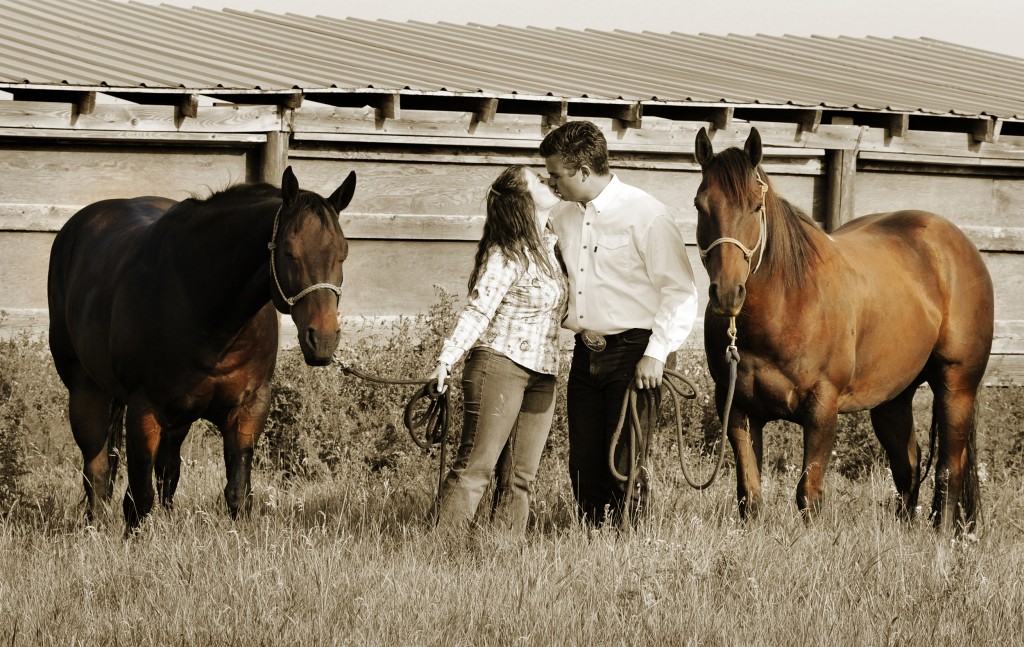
439 375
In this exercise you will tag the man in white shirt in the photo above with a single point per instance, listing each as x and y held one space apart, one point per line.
632 301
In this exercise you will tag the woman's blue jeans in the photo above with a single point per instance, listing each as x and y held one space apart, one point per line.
506 407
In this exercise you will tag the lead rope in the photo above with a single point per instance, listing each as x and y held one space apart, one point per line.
435 421
639 438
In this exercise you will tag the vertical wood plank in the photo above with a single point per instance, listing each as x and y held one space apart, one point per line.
275 157
842 172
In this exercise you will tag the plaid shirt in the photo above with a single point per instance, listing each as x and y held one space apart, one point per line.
514 310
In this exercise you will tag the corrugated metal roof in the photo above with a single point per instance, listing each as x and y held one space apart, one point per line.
95 43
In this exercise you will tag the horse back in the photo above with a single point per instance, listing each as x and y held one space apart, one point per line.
91 256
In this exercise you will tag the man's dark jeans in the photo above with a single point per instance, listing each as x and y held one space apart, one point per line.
597 384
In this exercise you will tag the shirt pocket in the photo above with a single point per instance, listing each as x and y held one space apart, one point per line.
612 253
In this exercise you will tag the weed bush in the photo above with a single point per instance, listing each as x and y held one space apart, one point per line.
32 411
324 420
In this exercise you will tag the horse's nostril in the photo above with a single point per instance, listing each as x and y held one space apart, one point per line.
311 337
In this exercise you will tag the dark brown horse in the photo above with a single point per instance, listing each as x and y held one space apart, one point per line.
162 313
835 324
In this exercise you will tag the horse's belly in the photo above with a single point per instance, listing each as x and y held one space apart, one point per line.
886 365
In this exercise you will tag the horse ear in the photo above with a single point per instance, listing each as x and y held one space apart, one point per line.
289 186
702 148
343 194
753 147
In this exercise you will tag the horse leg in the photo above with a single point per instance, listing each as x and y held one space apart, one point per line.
142 441
168 464
93 416
957 497
746 440
819 423
893 422
241 429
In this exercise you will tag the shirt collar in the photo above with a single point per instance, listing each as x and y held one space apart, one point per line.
607 195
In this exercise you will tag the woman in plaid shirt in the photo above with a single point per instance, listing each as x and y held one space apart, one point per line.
509 327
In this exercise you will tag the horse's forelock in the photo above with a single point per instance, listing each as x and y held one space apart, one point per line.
731 171
312 203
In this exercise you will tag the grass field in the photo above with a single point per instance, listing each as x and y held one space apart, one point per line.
337 550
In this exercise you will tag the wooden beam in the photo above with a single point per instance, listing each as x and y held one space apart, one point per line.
274 157
899 124
809 120
188 106
985 130
111 136
486 110
631 115
842 171
390 106
557 114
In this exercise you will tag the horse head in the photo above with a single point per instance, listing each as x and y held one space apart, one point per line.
731 226
307 252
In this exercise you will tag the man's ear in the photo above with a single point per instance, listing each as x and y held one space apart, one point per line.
584 172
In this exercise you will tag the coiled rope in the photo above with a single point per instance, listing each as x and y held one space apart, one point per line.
638 438
427 427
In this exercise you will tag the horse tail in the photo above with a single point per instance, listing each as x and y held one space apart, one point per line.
970 497
115 440
968 507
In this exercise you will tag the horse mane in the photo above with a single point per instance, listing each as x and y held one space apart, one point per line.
242 195
790 248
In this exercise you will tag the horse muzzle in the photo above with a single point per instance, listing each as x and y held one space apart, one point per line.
318 346
318 328
727 302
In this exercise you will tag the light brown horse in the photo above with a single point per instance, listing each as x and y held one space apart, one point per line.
162 313
835 324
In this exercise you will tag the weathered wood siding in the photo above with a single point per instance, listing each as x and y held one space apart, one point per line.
44 183
423 175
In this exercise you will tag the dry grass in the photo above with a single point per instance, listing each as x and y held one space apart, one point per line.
337 550
350 561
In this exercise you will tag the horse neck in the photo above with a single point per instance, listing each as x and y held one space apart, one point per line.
225 260
794 245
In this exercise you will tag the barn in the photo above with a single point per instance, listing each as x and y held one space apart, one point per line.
102 99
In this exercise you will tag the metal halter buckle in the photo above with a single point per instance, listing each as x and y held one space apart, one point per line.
594 341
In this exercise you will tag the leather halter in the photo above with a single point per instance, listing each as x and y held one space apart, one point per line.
762 238
291 301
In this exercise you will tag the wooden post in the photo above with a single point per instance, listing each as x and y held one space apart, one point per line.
275 157
842 171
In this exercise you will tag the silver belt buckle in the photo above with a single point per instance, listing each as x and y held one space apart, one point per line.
594 341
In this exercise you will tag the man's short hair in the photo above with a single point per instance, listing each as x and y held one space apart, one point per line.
580 143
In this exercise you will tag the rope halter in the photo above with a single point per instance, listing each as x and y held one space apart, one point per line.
762 238
291 301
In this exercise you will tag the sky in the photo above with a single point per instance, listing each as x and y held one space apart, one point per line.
992 25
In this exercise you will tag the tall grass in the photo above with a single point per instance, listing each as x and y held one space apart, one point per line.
338 551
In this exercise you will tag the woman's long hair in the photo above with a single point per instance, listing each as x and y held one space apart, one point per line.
510 225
